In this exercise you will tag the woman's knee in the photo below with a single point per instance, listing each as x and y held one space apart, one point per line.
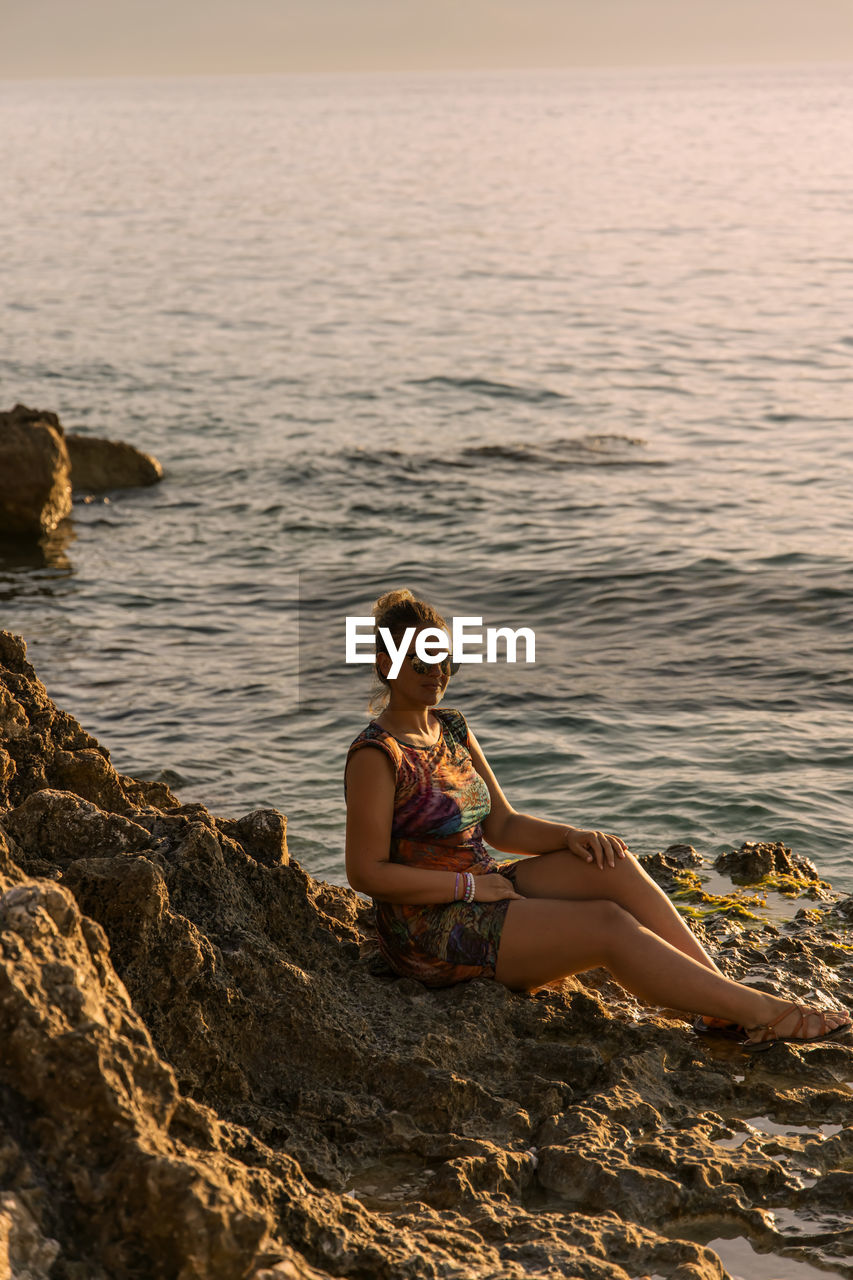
624 872
631 879
629 867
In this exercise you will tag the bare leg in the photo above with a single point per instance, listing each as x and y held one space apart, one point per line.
544 939
563 875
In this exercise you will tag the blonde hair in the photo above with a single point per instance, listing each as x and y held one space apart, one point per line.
397 610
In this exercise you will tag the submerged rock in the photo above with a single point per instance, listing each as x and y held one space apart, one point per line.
35 473
98 464
206 1070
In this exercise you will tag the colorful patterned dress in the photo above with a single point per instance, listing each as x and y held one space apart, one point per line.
439 802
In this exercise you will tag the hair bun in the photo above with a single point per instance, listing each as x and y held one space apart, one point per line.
391 600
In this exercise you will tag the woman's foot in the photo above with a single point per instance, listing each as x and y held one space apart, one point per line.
798 1023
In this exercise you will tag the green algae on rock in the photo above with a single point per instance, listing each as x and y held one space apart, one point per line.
773 866
206 1071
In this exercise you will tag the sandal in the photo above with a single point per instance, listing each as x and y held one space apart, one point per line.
773 1037
705 1025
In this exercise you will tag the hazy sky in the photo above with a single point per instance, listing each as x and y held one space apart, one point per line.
117 37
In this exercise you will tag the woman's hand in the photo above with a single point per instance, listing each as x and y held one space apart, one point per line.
595 846
494 888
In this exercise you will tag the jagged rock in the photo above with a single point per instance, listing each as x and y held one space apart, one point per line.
51 829
664 867
35 473
262 833
98 464
205 1074
48 748
682 855
758 860
25 1254
76 1053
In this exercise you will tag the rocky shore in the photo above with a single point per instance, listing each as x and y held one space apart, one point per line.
206 1071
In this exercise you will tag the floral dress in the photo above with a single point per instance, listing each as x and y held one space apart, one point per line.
439 802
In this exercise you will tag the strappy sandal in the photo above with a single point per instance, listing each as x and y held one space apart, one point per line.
707 1026
767 1041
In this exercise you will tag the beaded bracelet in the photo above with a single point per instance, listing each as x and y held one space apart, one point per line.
469 887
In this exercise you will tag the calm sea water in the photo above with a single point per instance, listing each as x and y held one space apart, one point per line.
566 350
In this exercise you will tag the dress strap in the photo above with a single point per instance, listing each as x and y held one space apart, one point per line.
455 725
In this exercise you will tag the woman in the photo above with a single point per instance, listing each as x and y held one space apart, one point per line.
421 801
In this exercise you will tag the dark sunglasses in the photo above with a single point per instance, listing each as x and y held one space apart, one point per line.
447 667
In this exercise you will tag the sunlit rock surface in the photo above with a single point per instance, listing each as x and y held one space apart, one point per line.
41 465
35 473
206 1071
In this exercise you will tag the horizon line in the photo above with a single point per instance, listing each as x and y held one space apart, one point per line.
746 64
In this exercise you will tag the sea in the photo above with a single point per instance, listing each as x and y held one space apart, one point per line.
567 350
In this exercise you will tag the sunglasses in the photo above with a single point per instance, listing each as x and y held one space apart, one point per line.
446 667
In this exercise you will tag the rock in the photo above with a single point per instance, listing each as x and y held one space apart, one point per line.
35 483
25 1254
47 748
40 463
57 828
682 855
204 1073
109 464
262 833
667 868
760 860
76 1055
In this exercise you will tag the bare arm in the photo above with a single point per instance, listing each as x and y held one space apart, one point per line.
513 832
370 809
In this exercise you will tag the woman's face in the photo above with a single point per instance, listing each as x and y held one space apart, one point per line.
417 680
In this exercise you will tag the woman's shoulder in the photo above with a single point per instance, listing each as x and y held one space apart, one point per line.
373 735
455 724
